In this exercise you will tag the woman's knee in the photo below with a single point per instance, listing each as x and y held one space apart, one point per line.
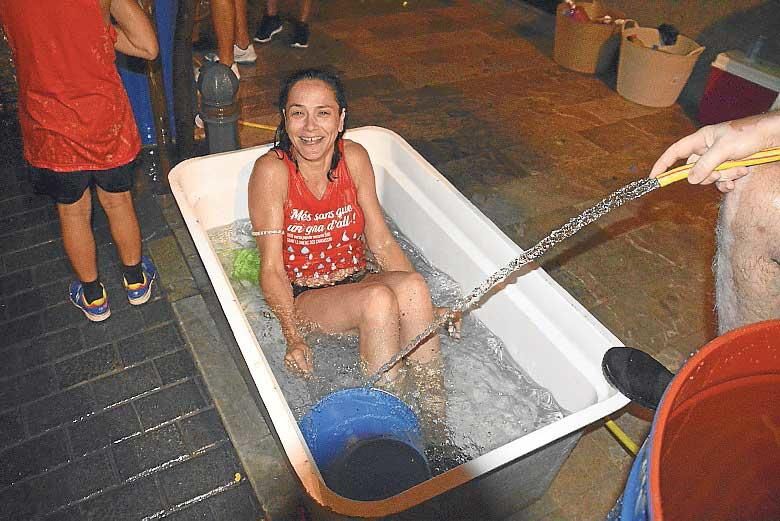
379 304
415 287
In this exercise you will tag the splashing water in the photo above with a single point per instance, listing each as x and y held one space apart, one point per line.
631 191
490 401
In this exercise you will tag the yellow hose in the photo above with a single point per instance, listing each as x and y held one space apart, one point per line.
622 437
769 155
256 125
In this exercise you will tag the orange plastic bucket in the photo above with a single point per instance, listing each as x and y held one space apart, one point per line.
715 443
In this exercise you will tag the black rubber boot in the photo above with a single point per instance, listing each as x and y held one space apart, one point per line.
637 375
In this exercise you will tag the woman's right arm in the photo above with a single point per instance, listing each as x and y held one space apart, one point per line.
267 193
135 33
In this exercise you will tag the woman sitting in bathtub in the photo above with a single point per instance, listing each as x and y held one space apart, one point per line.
314 211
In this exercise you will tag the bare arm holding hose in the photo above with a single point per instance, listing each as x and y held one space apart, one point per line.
714 144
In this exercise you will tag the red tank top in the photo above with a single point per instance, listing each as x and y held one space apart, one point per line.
325 235
73 109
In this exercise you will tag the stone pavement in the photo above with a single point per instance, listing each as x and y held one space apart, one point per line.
116 421
101 421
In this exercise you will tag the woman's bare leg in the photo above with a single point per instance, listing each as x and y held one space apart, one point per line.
368 307
747 263
416 312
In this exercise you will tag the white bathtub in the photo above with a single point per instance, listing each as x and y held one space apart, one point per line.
545 330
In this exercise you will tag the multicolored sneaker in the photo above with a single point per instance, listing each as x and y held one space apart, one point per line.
96 311
140 292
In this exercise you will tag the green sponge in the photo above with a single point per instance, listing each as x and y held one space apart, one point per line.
246 265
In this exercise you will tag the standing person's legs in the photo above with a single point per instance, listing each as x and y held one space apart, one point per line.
270 24
301 31
87 294
113 191
241 26
223 16
306 8
77 237
747 263
123 224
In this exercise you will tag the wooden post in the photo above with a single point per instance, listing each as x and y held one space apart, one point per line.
184 80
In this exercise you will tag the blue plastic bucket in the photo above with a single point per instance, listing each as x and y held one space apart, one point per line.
712 449
133 73
366 442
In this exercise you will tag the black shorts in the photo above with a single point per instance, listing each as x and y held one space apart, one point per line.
68 187
355 277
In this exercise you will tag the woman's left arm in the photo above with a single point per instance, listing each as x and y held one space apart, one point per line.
378 236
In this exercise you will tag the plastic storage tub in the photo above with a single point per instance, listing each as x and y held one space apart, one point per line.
545 330
738 87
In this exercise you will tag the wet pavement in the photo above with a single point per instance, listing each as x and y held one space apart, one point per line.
129 419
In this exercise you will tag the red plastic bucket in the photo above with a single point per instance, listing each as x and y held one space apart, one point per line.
715 450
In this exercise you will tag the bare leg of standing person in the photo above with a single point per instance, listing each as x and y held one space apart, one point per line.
747 263
243 49
300 37
77 237
306 9
123 224
223 16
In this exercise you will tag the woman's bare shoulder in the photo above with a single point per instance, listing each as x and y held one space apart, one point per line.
357 159
269 168
354 150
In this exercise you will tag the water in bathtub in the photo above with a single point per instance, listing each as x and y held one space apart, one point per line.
490 400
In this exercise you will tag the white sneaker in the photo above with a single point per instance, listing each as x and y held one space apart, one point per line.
247 55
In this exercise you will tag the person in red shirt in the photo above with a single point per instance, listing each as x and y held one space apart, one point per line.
78 129
314 209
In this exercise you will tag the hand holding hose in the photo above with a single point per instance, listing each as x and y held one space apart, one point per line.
713 145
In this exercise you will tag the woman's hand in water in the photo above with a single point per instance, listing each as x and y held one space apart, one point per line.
298 359
453 324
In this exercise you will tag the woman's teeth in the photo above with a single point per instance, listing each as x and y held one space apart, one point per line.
310 140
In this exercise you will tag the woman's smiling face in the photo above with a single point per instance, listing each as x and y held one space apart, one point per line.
313 119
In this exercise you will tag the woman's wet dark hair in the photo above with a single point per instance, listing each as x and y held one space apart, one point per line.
281 139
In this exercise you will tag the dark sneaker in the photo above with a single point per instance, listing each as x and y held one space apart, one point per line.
96 311
140 292
269 26
300 35
637 375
